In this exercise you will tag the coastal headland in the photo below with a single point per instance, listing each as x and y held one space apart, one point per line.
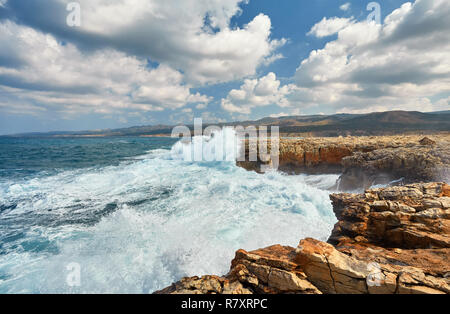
364 161
389 240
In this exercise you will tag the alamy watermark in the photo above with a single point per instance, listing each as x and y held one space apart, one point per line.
375 14
74 17
228 143
73 278
376 276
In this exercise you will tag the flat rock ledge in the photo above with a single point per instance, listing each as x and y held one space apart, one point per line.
392 240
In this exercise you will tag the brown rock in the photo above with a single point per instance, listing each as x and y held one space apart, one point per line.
363 161
446 190
330 270
427 141
385 165
271 270
403 217
391 240
205 285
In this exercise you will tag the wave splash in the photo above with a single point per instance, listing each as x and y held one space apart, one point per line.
220 145
139 226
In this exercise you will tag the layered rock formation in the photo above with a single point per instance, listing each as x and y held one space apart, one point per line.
390 240
313 155
364 161
412 163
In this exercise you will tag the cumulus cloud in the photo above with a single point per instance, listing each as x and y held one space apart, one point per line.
444 103
144 56
193 36
38 72
331 26
346 6
401 64
209 117
293 112
257 93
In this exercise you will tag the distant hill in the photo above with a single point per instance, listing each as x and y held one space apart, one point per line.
439 112
379 123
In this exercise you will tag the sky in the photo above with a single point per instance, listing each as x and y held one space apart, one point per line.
95 64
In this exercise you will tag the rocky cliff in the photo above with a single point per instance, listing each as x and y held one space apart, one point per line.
424 161
392 240
364 161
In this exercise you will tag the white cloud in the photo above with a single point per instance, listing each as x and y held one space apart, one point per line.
331 26
193 36
40 72
209 117
102 67
345 6
401 64
294 112
444 103
180 117
201 106
257 93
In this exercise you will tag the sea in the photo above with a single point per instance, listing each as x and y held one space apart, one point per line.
131 215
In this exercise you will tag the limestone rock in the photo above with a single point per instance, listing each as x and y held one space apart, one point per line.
411 216
387 241
271 270
427 141
205 285
407 163
363 161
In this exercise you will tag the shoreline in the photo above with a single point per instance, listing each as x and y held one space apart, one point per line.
391 240
364 161
398 236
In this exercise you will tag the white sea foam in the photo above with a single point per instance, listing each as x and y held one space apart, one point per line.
172 219
221 145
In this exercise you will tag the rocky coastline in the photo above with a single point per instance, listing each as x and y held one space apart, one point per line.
364 161
391 240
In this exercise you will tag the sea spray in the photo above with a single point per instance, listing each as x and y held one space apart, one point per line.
229 144
218 145
140 225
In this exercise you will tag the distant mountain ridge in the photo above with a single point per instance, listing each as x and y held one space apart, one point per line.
378 123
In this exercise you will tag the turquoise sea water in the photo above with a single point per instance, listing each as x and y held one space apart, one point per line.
135 218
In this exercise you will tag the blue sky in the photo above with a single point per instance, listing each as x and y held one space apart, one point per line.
161 62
